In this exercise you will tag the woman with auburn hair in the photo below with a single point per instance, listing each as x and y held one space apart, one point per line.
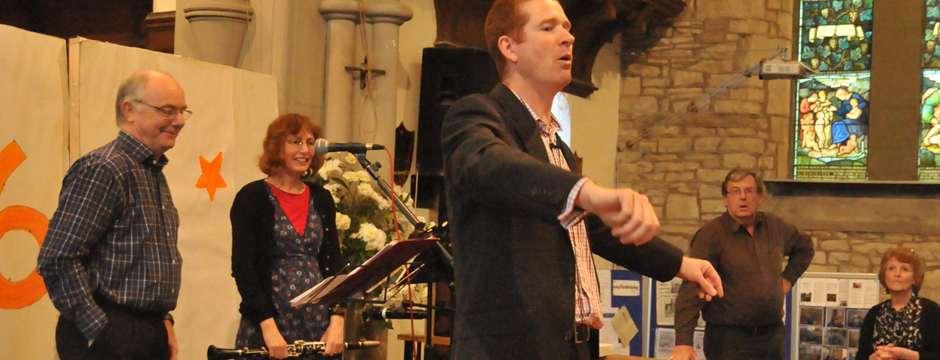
906 326
284 242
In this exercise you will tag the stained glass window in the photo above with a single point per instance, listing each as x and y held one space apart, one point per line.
928 162
832 128
931 33
835 35
928 154
832 106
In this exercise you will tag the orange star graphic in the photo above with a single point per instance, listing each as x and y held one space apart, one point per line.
211 179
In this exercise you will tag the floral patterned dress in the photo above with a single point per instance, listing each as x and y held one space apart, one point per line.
294 270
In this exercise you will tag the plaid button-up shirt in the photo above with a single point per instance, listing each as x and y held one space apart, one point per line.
114 235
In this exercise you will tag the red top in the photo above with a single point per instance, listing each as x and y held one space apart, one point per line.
295 206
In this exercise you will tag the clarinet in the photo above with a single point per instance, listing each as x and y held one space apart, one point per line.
296 349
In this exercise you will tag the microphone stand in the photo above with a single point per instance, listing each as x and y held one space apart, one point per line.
371 168
418 234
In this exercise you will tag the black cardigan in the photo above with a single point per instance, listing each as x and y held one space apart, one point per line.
929 329
252 217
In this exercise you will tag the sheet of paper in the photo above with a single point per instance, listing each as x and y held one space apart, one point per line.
831 298
603 282
872 288
626 287
813 292
609 336
624 326
317 290
806 291
666 301
843 292
856 293
863 294
665 342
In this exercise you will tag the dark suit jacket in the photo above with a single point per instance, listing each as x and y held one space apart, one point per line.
514 265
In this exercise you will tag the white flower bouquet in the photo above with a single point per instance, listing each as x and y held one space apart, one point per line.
363 214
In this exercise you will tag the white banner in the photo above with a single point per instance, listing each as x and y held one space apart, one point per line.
33 160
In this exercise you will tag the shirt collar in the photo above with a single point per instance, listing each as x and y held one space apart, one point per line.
543 126
735 226
139 153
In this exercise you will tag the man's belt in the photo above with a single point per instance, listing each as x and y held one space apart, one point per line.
580 333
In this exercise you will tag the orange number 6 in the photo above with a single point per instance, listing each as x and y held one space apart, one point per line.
20 294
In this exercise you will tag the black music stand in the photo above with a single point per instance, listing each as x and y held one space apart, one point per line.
344 288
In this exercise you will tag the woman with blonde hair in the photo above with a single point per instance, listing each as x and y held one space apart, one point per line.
906 326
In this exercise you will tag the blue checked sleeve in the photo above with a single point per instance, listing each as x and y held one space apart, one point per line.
88 203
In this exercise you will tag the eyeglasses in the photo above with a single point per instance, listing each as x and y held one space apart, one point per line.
300 143
169 111
739 191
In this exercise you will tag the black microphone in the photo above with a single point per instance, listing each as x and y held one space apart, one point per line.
322 146
381 313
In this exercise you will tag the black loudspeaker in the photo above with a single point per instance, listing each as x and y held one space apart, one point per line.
447 74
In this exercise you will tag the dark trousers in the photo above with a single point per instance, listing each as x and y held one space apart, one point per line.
129 335
734 342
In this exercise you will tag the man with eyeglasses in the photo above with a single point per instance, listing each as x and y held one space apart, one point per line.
110 259
747 247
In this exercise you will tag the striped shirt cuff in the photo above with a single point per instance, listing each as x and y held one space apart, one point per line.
571 215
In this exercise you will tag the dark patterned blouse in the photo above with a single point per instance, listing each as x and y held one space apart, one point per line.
915 327
900 328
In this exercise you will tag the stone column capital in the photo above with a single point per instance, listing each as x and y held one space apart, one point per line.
219 28
340 10
237 10
388 11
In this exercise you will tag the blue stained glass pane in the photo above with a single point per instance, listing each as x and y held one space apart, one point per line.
835 35
928 154
931 33
832 127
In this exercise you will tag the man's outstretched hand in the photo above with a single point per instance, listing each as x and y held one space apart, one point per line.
631 218
702 273
628 213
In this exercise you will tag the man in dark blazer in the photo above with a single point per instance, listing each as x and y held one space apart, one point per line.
523 225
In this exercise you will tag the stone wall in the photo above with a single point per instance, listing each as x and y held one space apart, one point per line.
681 165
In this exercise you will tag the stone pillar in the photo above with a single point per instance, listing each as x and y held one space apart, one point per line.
341 18
386 16
219 28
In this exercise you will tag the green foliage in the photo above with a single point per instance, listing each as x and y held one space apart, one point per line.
806 160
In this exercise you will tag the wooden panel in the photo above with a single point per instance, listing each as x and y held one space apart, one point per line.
895 90
158 31
115 21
